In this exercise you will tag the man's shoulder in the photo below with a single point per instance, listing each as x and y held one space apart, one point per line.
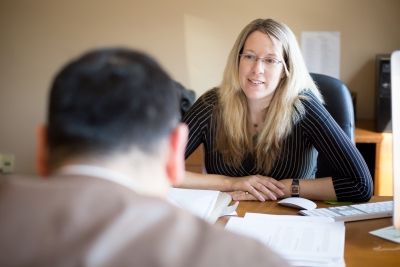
65 189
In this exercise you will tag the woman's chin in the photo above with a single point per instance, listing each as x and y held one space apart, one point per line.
256 93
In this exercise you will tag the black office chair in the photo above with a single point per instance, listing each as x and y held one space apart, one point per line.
188 97
339 104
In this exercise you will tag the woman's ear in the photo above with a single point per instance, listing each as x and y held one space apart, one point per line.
176 158
42 167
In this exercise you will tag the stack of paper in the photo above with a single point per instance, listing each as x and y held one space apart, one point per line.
207 204
303 241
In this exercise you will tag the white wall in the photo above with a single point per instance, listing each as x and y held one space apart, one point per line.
191 39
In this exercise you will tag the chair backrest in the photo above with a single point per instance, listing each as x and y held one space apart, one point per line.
188 97
339 104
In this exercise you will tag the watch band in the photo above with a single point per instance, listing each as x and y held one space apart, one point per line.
295 188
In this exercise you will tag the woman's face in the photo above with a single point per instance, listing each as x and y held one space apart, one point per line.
260 66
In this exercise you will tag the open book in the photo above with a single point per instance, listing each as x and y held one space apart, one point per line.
207 204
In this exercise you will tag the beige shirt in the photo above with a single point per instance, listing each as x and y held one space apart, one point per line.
85 221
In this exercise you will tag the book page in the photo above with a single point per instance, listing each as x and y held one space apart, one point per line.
206 204
198 202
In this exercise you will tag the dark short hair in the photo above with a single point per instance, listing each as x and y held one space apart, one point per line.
108 100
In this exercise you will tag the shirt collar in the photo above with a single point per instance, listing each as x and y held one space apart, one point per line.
99 172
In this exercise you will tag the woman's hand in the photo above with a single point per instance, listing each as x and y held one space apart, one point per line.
257 187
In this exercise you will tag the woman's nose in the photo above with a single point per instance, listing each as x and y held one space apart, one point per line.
258 66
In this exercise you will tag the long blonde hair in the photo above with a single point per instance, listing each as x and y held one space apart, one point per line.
234 139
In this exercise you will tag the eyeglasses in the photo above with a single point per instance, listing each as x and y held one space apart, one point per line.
267 61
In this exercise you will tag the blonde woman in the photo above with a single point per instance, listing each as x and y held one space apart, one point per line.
263 127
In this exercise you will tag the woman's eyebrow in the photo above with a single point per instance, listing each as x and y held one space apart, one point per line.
268 54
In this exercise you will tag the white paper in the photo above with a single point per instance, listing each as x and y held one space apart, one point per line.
230 210
321 52
198 202
309 241
206 204
389 233
261 216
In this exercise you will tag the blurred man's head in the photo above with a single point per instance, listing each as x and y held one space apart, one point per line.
112 102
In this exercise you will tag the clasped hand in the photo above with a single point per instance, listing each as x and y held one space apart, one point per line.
257 187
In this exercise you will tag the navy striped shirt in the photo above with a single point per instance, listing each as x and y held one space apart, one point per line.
316 133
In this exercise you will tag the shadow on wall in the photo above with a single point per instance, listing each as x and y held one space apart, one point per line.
364 89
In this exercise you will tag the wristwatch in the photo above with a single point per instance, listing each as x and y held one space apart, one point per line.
295 188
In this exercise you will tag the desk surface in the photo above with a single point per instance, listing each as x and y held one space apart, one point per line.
361 248
364 132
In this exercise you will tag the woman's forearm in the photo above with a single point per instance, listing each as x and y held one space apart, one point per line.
317 189
206 181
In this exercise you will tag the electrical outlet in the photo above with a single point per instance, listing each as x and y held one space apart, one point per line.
7 163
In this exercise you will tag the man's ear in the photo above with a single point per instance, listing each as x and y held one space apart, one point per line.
41 151
176 158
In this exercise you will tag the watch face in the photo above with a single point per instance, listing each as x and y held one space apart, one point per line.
295 188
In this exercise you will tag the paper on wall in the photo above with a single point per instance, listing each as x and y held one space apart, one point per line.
321 52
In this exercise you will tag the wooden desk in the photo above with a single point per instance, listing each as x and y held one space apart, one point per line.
383 172
194 163
361 248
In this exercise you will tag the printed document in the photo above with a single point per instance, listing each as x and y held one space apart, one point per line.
303 241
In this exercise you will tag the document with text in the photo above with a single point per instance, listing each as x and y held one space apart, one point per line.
303 241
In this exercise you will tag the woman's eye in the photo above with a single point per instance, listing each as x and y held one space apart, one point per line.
270 61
